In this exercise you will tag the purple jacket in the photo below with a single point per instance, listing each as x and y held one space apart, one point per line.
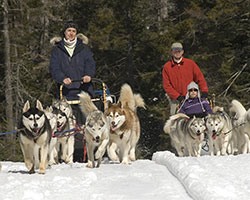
193 107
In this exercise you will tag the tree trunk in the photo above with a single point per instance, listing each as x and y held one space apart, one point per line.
8 71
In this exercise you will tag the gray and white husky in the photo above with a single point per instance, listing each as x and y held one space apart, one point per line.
96 130
220 132
186 134
34 137
65 121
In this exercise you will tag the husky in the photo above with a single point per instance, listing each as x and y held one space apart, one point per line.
220 132
53 123
65 121
186 134
34 137
96 130
241 125
124 125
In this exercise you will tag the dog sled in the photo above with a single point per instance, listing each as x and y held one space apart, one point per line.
101 94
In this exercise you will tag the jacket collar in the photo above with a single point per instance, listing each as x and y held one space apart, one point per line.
78 48
173 63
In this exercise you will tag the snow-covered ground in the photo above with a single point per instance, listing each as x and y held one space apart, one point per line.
165 177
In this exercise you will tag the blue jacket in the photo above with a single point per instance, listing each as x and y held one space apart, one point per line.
193 107
80 64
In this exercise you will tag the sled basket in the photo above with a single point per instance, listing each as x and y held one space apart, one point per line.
101 94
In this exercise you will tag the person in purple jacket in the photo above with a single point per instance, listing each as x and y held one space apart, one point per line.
193 104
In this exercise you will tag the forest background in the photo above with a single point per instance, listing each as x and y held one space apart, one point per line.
130 41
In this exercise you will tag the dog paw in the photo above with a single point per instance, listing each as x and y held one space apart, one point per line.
125 161
42 171
90 165
132 158
115 159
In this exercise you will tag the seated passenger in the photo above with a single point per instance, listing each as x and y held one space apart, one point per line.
193 105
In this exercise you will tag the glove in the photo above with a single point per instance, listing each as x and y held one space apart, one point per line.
204 95
180 98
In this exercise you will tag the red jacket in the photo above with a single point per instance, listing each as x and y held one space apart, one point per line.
176 77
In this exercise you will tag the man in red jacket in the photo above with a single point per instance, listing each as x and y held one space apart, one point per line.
178 73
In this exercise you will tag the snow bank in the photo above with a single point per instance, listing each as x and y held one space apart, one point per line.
209 177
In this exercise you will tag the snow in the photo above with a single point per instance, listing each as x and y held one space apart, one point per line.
164 177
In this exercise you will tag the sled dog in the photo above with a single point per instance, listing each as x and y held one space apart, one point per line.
53 123
124 125
65 121
34 137
220 132
186 134
241 125
96 130
64 139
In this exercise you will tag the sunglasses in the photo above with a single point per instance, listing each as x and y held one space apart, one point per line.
193 90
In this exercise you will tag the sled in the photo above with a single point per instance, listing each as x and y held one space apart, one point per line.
101 94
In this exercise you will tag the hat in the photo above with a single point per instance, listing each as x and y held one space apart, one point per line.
176 46
70 24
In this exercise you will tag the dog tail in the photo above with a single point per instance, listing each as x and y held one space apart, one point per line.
170 122
218 109
139 101
86 105
237 109
127 97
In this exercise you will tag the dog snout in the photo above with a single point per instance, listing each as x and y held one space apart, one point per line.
97 139
112 123
35 125
214 131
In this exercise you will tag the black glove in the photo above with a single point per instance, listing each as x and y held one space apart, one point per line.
204 95
180 98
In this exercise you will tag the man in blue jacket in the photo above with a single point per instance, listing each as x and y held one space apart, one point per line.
71 59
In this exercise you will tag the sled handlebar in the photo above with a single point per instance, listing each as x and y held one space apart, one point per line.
94 80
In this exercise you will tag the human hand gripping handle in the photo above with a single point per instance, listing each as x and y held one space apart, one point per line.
67 81
204 95
86 79
180 98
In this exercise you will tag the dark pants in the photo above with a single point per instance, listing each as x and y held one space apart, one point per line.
80 118
79 139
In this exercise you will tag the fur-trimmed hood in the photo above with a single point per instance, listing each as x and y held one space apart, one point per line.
193 85
57 39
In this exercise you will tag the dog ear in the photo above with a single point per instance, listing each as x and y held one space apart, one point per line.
39 105
109 103
49 109
64 99
120 104
26 106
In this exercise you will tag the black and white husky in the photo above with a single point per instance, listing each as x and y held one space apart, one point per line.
34 136
65 121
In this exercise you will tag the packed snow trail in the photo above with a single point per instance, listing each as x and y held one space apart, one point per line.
141 180
210 177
